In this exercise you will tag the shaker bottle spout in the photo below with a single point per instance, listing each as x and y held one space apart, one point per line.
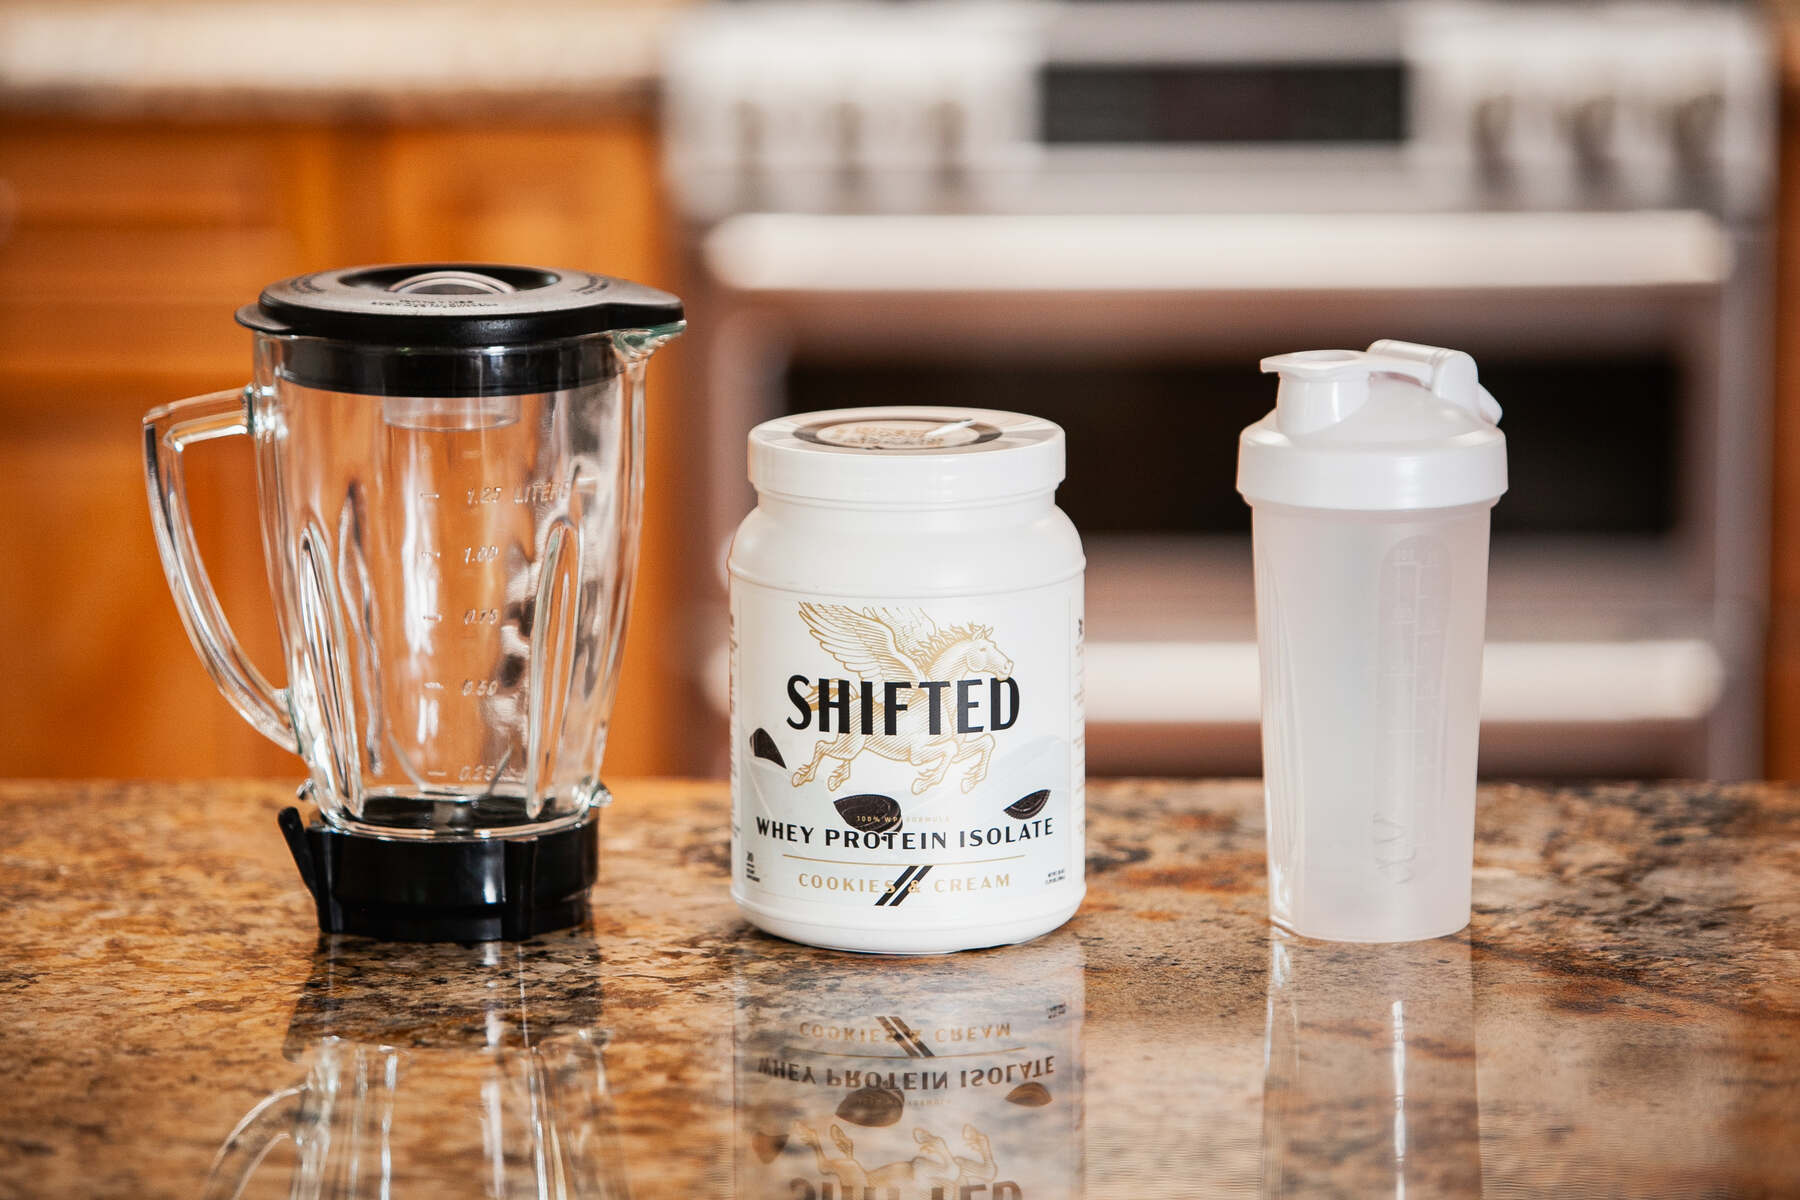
1318 388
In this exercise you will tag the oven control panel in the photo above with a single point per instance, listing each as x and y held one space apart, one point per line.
1171 106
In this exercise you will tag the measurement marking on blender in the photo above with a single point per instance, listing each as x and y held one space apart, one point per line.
432 685
430 617
437 774
428 495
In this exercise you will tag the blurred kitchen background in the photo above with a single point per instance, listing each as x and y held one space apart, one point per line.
1102 212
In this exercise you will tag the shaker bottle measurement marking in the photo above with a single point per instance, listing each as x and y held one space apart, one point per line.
1415 605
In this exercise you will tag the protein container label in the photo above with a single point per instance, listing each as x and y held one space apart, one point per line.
890 755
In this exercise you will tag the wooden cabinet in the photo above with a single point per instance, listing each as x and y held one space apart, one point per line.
125 247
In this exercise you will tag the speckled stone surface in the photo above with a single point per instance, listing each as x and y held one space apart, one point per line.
1622 1018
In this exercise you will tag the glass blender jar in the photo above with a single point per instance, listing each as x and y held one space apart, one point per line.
450 476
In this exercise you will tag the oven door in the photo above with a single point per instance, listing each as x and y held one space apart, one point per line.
1627 578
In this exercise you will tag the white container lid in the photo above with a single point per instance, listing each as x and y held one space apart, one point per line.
1395 427
906 457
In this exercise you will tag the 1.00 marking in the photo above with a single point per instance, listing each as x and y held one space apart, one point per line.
480 554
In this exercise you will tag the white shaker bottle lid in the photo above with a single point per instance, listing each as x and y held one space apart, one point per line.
1397 426
906 457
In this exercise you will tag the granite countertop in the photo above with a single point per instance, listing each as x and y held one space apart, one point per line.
330 58
1622 1018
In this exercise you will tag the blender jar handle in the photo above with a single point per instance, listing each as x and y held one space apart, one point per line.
275 1117
167 432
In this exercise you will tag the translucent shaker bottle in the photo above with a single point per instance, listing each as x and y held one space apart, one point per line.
1370 487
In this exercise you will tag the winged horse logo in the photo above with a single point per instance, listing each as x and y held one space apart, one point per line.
936 1170
904 645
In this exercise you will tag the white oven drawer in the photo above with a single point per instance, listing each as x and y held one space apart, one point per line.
1217 683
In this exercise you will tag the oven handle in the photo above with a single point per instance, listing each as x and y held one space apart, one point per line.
1225 252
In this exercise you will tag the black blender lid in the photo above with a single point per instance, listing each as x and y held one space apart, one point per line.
449 305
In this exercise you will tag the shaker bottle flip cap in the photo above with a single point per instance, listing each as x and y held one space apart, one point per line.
1395 427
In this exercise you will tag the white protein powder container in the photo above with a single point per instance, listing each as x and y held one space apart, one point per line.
907 756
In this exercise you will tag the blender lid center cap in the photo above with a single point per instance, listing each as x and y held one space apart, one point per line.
451 283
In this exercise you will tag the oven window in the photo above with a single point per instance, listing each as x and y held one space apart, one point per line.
1223 102
1152 449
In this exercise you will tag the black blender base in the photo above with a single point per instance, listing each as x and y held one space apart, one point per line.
445 889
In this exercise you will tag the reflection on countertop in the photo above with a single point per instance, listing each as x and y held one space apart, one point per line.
1370 1087
916 1079
1623 1017
495 1073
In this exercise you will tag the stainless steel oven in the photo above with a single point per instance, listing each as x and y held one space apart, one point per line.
1106 213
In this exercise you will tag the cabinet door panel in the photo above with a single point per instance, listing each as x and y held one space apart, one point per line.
104 682
579 197
102 174
128 248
